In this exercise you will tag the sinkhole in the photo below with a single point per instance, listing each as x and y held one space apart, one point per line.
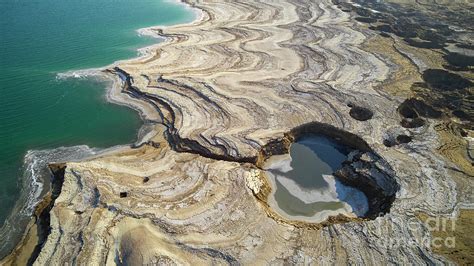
318 173
303 184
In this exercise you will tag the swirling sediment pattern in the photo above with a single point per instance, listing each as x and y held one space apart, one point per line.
224 86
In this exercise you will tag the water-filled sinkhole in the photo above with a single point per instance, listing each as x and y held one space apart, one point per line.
303 185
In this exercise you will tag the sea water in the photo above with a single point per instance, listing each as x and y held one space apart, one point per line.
39 112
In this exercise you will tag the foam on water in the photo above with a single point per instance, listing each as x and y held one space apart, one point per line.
80 74
35 182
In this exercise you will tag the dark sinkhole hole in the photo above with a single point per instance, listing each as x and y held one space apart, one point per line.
360 113
400 139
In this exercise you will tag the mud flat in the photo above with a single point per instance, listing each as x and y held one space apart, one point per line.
234 88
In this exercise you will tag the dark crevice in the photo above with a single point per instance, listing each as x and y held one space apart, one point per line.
43 216
175 141
213 253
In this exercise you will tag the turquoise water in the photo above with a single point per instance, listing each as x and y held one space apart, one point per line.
41 38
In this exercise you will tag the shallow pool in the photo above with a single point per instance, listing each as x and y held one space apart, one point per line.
303 187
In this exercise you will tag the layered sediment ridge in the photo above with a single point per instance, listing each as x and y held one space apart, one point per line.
218 91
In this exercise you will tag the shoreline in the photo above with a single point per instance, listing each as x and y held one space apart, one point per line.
114 94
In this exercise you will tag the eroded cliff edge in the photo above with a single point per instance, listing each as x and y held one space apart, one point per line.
216 93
